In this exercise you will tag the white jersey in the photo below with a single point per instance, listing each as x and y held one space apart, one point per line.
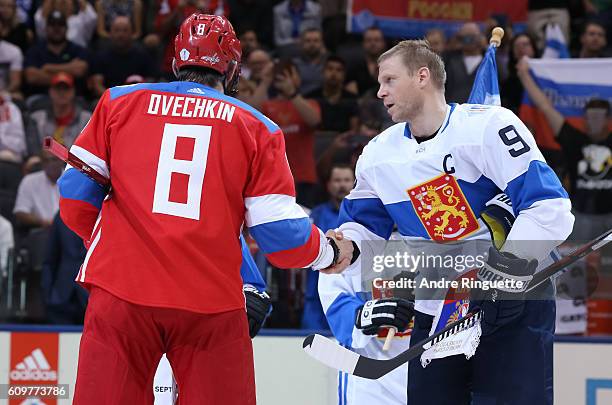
341 296
436 189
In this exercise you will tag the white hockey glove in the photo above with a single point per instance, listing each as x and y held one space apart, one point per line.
385 312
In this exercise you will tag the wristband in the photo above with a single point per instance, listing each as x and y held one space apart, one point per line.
336 250
356 252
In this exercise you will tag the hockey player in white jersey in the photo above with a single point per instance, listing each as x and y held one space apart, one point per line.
360 315
431 174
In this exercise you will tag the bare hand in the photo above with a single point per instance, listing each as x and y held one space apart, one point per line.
522 67
267 73
284 84
344 257
341 140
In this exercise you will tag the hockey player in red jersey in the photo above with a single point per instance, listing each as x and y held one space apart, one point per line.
188 166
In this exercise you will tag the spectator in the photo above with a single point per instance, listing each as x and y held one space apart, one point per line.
588 156
253 15
593 41
543 12
249 42
339 110
12 146
57 54
171 14
347 147
333 15
12 135
461 65
311 60
511 89
7 242
325 216
109 10
134 60
11 28
38 195
363 76
602 11
437 40
260 70
11 68
292 18
63 120
80 19
298 118
64 299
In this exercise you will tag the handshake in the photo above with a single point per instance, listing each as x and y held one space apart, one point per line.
346 252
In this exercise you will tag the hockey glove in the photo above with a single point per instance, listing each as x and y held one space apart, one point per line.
385 312
258 306
503 302
499 218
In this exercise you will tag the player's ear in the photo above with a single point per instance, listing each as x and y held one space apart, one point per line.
423 76
174 68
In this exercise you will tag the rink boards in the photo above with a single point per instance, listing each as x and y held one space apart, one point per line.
284 374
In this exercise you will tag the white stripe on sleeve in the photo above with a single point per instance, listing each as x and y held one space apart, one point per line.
92 160
271 208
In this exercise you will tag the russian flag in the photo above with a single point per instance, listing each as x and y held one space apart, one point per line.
569 84
556 48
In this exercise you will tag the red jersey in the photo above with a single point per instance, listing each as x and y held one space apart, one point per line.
187 166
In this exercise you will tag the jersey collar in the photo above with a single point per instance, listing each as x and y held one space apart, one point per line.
449 110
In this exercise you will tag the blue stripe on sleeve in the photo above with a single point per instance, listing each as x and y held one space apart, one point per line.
538 183
74 185
478 193
341 317
248 269
282 235
369 212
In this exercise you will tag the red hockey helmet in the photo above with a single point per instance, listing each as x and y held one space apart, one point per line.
209 41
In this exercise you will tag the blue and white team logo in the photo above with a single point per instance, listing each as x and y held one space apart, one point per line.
184 54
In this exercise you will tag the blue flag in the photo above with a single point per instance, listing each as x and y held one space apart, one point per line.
486 89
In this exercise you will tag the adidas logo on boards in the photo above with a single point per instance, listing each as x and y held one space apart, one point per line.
33 401
34 367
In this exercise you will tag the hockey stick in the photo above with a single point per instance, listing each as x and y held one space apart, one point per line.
572 257
340 358
335 356
64 154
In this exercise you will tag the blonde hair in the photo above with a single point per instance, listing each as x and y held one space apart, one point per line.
417 54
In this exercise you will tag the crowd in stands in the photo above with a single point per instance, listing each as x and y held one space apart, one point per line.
300 67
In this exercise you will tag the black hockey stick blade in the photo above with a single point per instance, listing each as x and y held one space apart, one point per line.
570 258
340 358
